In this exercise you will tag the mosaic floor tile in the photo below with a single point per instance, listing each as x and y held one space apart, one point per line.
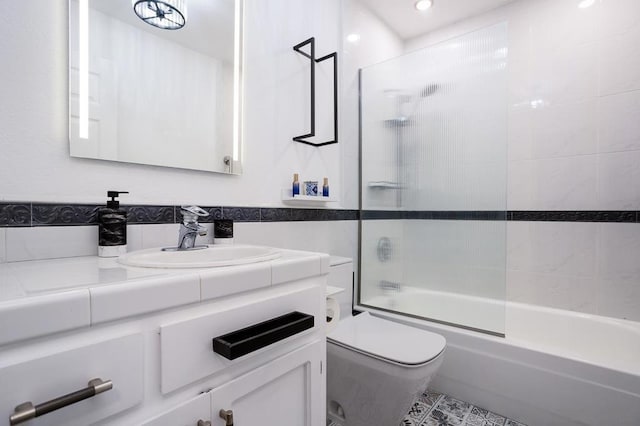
454 406
430 398
441 418
418 410
495 418
436 409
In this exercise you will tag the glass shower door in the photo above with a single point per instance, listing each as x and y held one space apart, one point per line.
433 147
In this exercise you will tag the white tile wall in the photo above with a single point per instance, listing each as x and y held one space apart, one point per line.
573 144
564 130
620 63
373 269
574 85
619 246
564 75
36 87
552 247
618 124
338 238
619 16
565 183
134 237
553 290
456 256
585 267
619 270
619 180
162 235
3 254
50 242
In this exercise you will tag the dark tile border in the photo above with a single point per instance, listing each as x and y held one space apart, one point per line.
614 216
63 214
21 214
51 214
627 216
15 214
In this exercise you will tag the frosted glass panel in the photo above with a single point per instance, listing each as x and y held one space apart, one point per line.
434 140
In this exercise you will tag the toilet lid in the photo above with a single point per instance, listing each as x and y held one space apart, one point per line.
386 339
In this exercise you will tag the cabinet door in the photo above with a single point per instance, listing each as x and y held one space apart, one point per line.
195 412
289 391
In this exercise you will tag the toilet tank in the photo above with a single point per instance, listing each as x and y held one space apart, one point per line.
341 275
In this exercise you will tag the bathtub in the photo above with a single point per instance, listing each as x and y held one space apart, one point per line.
552 368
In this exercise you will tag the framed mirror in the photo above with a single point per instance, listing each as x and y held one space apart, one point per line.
157 82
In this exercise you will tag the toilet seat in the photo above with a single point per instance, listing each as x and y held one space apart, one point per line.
388 341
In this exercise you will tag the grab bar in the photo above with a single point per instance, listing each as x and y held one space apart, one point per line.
27 411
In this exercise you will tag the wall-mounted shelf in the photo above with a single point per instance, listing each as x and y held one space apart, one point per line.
332 291
289 198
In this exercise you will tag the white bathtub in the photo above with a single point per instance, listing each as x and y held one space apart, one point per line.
554 367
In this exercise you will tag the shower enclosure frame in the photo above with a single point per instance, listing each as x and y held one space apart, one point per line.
358 303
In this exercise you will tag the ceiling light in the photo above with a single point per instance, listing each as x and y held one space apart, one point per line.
165 14
423 4
586 3
353 38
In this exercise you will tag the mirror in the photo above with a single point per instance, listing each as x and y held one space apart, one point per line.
143 92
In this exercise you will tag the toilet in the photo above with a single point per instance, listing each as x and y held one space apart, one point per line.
375 367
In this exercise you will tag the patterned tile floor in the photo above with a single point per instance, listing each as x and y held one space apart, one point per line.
436 409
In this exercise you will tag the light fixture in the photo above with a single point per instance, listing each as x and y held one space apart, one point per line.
237 83
422 5
353 38
165 14
83 69
586 3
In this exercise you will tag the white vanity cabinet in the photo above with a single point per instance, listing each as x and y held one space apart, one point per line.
289 391
258 355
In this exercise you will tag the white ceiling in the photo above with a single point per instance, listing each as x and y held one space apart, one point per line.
403 18
209 28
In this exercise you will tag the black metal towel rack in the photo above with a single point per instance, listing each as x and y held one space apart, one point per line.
312 57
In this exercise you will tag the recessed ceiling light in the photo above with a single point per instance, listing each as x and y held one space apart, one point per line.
353 38
586 3
423 4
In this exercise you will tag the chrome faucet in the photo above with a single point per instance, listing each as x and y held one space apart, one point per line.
190 229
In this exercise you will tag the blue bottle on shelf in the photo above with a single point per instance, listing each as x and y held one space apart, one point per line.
295 190
325 187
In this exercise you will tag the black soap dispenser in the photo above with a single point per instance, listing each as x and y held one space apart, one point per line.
112 227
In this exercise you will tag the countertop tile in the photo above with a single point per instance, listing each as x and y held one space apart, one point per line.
117 301
236 279
293 268
36 316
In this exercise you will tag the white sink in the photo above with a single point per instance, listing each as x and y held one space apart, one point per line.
212 256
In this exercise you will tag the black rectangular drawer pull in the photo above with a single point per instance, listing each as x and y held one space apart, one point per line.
249 339
27 411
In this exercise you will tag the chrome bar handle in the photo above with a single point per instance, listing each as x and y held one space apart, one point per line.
227 416
27 411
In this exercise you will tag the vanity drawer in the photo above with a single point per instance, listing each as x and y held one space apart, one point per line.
187 349
47 374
